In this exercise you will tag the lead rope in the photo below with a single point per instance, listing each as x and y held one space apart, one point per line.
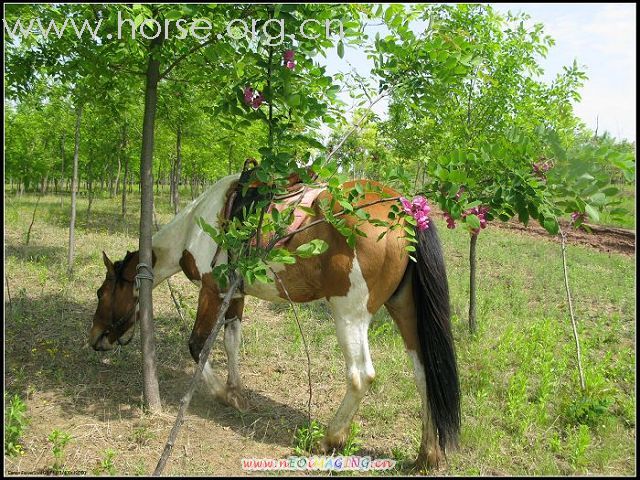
148 275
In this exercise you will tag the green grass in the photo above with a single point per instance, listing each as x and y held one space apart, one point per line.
522 409
628 202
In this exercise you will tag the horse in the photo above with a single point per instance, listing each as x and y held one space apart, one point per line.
356 283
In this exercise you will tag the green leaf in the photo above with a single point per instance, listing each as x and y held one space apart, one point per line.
346 205
340 49
314 247
293 100
551 225
472 220
592 213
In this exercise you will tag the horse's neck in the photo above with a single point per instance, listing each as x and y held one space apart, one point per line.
183 233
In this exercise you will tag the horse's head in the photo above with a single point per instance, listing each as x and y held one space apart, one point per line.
117 311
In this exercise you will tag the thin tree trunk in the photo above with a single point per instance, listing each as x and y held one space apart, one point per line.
117 185
151 388
583 383
472 282
74 188
186 399
90 195
33 219
176 188
172 176
158 178
126 170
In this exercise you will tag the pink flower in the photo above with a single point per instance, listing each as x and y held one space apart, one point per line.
290 65
577 216
288 55
418 209
480 212
451 223
542 167
256 102
248 95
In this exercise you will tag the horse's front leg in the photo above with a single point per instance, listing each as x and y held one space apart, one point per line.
208 308
232 339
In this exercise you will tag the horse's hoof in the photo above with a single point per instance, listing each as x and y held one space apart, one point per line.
330 444
235 399
429 461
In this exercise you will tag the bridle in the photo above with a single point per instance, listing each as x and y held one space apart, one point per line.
148 275
121 321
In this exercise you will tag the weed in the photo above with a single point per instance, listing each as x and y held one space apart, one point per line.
586 410
15 423
106 464
307 436
140 469
141 436
59 441
353 444
579 445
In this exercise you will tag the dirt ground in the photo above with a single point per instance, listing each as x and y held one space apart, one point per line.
604 239
96 396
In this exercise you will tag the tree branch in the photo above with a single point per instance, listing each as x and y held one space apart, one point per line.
186 54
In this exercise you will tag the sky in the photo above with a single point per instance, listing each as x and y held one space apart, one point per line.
600 36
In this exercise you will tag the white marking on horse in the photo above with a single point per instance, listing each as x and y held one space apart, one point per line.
352 322
183 233
267 291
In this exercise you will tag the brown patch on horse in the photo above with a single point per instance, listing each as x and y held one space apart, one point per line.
208 305
402 308
327 275
188 265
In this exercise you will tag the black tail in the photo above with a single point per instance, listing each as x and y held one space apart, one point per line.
431 294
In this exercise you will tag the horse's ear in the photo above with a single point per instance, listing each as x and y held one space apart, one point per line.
108 264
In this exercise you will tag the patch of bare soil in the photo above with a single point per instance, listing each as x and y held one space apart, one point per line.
604 239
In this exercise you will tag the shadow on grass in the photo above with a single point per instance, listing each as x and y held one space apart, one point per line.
46 351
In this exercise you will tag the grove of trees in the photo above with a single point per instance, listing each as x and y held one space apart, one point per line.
471 124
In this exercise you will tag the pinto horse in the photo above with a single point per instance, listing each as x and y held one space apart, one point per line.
356 282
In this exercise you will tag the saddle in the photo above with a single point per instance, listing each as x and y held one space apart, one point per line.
243 197
246 193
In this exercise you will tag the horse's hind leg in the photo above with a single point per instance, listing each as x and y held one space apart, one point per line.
352 322
402 309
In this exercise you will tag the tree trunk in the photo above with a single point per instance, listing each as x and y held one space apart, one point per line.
158 178
172 184
472 283
90 194
74 188
176 188
126 170
117 185
151 389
